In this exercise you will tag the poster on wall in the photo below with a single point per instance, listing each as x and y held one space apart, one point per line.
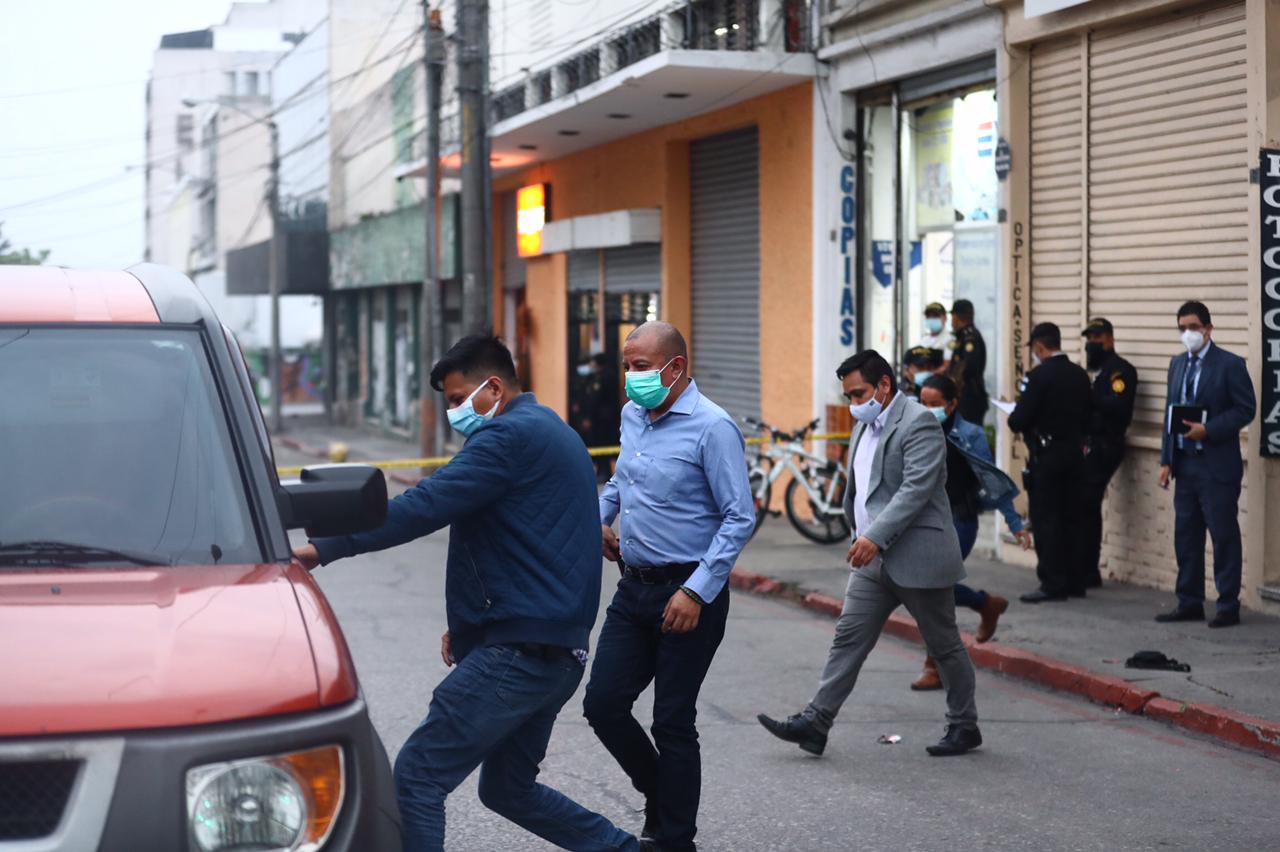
1269 187
932 126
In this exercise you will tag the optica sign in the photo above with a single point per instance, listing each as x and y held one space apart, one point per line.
531 218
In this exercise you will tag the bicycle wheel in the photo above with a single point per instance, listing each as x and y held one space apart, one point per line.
761 492
824 527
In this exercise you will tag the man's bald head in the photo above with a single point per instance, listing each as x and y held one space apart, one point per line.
660 338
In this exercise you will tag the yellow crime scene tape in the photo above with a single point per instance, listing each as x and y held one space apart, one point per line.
441 461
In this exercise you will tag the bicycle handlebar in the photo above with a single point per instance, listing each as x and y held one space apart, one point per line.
778 435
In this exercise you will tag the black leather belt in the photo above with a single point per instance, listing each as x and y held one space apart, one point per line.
539 651
659 575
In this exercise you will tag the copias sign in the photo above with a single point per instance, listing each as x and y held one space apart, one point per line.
531 218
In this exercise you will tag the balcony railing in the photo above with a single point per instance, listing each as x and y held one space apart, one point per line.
698 25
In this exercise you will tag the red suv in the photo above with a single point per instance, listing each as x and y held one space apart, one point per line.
171 679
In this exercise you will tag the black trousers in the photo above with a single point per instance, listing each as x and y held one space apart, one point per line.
1056 516
633 652
1100 466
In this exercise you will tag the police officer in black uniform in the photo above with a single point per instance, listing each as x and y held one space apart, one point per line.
1115 386
918 364
1053 417
968 362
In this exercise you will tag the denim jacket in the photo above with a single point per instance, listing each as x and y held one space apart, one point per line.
995 489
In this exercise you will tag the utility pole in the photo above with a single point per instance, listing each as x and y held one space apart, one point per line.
473 99
432 321
273 277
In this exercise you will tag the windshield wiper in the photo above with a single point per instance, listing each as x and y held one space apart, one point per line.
65 552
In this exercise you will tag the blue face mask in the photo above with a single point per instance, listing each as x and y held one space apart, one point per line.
933 324
940 413
645 387
584 370
465 418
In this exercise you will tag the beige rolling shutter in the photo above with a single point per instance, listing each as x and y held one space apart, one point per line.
1057 180
1168 184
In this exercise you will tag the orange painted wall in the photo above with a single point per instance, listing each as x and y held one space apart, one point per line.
651 169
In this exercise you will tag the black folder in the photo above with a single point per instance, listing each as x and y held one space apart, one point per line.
1180 413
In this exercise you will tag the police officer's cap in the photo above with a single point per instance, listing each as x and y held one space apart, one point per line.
935 309
1047 333
1098 325
922 357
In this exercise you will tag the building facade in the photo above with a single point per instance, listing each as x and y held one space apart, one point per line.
671 163
1135 131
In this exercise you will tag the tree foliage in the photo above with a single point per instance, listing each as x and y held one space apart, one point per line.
25 257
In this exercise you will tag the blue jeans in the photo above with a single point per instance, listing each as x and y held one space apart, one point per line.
632 652
967 532
495 711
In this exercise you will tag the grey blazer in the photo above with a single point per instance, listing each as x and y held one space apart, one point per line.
908 499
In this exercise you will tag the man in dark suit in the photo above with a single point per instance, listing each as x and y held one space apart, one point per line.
1053 415
1206 462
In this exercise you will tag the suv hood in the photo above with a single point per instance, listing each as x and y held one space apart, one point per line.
101 650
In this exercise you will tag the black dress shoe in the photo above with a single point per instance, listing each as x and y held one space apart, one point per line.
956 740
1182 613
1225 619
796 729
1041 596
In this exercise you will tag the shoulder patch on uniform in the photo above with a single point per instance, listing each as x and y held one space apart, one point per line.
968 347
1117 383
951 344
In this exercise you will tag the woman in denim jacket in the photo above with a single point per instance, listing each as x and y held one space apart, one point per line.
974 485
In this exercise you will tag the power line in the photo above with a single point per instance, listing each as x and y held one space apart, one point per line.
159 160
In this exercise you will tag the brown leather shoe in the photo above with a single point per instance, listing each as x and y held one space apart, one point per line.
929 678
991 612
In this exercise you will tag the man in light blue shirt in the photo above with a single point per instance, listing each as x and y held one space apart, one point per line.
680 490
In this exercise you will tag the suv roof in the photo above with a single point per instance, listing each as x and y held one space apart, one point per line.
145 293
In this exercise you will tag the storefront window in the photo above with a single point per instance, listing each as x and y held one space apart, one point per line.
929 213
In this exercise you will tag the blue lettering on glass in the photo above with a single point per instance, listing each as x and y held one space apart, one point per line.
848 246
882 262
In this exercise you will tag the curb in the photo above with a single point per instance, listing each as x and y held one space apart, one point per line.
318 453
1250 732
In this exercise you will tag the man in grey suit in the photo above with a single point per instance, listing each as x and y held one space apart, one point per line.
905 551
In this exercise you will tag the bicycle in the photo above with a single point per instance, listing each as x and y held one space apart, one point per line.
819 481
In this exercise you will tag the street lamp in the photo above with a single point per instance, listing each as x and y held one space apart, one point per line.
273 262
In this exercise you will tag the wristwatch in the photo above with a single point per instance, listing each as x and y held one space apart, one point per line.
691 593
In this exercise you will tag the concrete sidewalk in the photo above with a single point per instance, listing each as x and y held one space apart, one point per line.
1232 691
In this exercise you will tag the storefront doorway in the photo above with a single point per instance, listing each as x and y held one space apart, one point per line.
929 205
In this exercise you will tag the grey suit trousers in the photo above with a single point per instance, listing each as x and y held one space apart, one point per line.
869 599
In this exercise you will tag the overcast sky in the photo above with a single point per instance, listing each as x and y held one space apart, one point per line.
73 79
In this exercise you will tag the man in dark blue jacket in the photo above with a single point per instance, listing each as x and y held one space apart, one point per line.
522 589
1204 457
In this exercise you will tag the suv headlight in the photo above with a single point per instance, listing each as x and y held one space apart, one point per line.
283 803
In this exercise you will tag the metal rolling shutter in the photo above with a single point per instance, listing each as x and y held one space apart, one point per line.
725 195
584 271
1057 181
1168 184
632 269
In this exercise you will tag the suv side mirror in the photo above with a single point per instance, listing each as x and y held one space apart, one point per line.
329 500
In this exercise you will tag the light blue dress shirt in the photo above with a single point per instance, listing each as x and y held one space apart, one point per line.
681 491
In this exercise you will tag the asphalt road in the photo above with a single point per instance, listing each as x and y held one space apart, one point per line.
1057 773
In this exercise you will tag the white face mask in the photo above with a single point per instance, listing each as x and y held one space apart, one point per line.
1193 340
868 411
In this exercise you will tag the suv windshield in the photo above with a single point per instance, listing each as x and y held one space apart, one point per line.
114 449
